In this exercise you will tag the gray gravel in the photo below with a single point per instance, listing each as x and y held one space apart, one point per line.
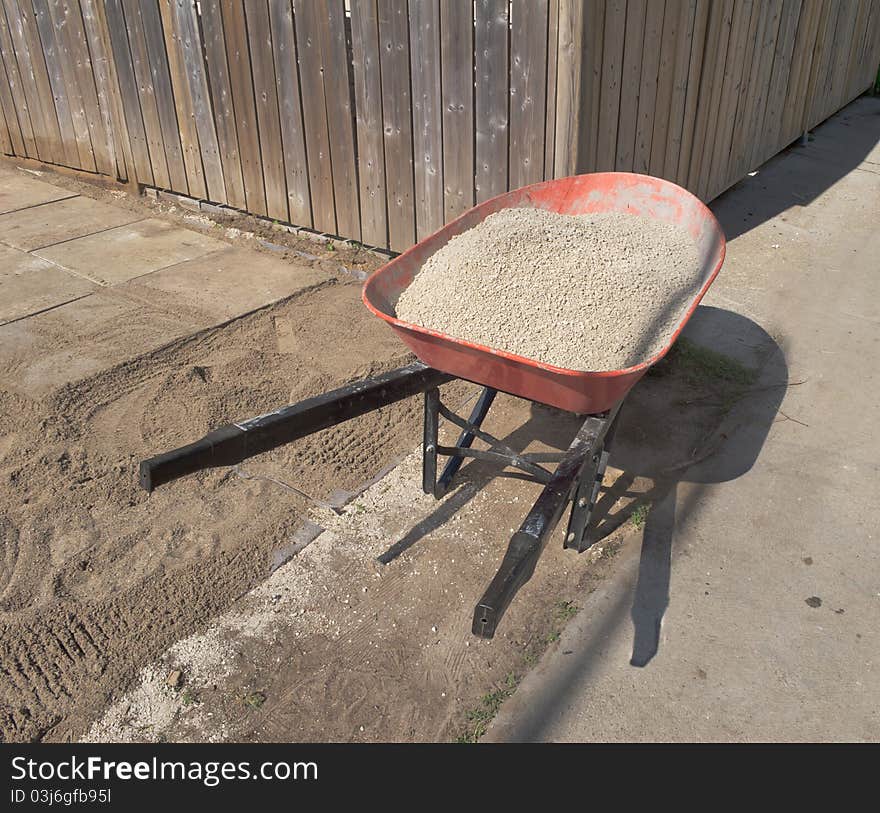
587 292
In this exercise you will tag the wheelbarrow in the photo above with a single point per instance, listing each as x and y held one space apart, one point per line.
597 395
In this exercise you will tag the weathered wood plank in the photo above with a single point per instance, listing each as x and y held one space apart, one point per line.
591 86
569 78
315 115
266 101
653 47
741 139
130 94
223 109
612 73
84 71
630 82
692 94
368 109
396 116
765 76
10 114
456 56
107 87
17 94
719 166
427 115
36 84
80 115
528 88
145 93
713 67
164 95
491 99
666 70
194 64
338 88
183 103
290 112
550 90
819 73
241 83
5 141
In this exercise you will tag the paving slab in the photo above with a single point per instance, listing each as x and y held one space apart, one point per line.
18 191
40 354
50 223
226 284
29 285
130 251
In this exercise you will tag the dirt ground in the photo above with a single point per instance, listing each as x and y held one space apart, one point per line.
105 590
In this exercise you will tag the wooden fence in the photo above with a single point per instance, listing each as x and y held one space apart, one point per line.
380 120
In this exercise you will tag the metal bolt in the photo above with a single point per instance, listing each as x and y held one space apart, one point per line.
570 538
582 502
429 448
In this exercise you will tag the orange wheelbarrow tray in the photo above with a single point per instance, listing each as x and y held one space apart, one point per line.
577 477
582 392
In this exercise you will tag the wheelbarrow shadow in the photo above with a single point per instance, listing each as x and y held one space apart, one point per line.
670 436
673 430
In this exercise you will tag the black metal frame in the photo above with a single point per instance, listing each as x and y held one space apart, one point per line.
576 479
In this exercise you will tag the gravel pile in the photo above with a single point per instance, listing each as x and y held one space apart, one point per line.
587 292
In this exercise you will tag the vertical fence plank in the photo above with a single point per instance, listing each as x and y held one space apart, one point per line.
223 108
5 142
612 72
241 82
716 171
163 94
741 138
143 167
630 82
692 96
424 34
768 50
528 86
39 93
183 102
290 112
266 101
396 116
684 43
669 54
368 107
17 95
80 116
550 90
338 89
194 65
84 71
491 99
710 87
145 94
591 86
569 78
107 87
10 114
647 109
315 115
456 46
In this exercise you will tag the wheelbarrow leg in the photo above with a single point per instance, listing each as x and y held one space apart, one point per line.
577 535
429 440
528 543
466 439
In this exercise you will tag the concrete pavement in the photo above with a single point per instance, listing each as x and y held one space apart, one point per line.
751 608
85 285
